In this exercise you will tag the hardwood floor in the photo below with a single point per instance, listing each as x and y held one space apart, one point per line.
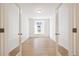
39 47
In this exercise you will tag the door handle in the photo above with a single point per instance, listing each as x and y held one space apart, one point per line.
1 30
19 33
58 34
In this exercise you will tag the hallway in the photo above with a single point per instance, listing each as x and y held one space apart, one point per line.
39 29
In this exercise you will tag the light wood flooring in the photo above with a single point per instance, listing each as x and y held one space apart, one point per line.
39 47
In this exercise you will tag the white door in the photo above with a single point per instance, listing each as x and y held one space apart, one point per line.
39 27
62 29
10 22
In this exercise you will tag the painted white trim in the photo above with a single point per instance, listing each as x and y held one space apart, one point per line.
56 26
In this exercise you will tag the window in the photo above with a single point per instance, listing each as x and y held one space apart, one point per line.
39 27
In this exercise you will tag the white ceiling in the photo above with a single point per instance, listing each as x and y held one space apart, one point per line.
29 9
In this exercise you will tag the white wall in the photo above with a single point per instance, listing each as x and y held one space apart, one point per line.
52 26
24 27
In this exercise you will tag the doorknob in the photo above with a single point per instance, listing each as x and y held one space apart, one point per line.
19 33
57 33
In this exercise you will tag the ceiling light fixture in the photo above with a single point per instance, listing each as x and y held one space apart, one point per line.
39 10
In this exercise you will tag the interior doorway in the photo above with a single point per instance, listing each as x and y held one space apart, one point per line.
39 27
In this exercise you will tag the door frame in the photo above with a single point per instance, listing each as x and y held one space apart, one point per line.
2 27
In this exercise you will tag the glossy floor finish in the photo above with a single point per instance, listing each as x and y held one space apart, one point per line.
39 47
